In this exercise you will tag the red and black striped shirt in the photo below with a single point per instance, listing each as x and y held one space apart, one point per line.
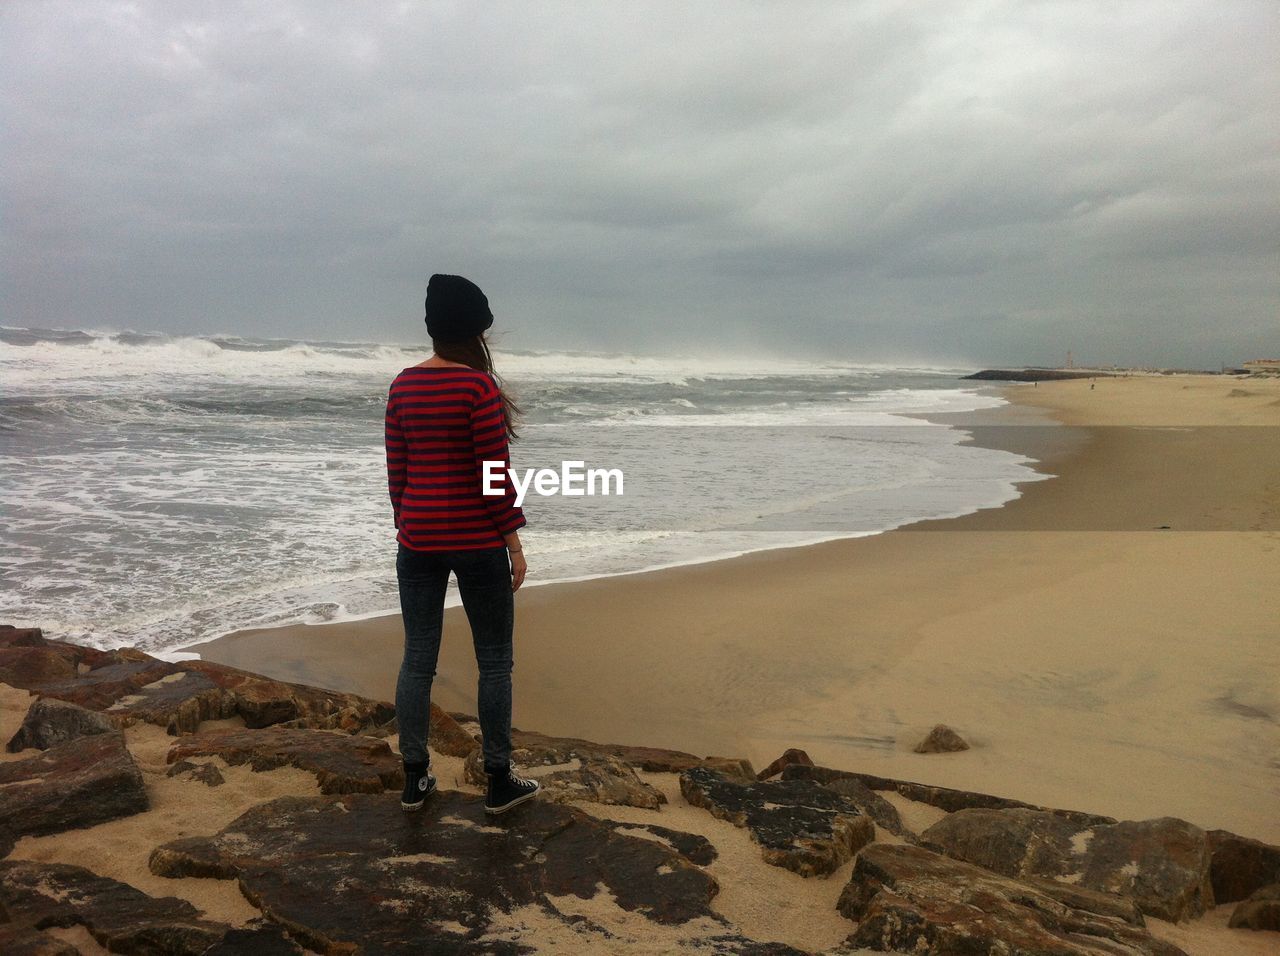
442 425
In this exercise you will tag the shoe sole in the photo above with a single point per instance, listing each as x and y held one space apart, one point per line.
514 803
415 807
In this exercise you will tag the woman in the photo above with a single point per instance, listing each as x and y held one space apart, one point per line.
445 418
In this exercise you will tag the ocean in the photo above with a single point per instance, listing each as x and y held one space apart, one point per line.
162 490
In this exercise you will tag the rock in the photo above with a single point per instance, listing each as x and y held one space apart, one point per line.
941 740
884 813
1163 865
29 668
1239 865
446 735
177 696
1259 911
648 759
178 702
262 702
114 675
738 768
11 636
944 798
259 938
694 847
341 763
120 917
790 757
206 773
52 722
356 870
587 777
909 899
23 941
81 783
799 825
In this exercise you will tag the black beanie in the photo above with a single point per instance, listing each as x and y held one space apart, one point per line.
456 309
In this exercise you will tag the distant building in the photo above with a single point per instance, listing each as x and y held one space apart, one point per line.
1271 366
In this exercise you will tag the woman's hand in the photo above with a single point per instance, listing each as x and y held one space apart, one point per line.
518 568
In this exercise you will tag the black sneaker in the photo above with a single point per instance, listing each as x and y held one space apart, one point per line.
507 789
418 785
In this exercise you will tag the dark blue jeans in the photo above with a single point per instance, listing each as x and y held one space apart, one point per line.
484 581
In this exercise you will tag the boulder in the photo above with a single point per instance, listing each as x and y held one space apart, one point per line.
341 763
1239 865
1162 865
120 917
586 777
81 783
909 899
356 870
790 757
52 722
1260 911
944 798
799 825
941 740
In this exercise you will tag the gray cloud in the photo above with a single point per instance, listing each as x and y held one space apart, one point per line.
985 183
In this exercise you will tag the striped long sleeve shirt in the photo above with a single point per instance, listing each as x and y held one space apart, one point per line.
442 425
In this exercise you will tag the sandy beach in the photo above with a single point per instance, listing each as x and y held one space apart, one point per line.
1106 642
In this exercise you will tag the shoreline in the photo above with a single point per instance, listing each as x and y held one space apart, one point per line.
939 418
1150 692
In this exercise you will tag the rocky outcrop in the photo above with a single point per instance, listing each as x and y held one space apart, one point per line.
944 798
123 919
909 899
81 783
582 776
942 740
52 722
355 869
132 687
1162 865
341 763
799 825
1239 866
1260 911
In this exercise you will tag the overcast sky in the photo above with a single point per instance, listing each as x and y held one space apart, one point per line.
984 182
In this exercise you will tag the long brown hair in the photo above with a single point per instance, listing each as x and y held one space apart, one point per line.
474 353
